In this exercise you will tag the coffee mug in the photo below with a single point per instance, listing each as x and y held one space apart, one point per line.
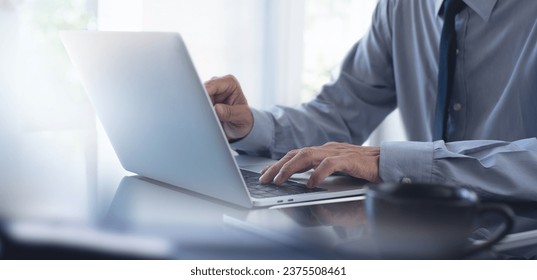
427 221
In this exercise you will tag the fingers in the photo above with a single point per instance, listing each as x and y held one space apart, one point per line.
219 85
237 120
358 165
326 168
229 113
296 161
226 90
297 164
271 171
230 106
356 161
264 169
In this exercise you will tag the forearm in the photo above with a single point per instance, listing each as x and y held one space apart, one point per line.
282 129
507 169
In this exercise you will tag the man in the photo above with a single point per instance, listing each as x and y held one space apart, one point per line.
462 73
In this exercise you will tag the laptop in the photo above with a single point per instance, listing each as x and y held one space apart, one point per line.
160 120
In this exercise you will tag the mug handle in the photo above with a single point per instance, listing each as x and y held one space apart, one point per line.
508 216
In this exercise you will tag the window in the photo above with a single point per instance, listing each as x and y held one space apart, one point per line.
49 94
47 127
281 51
331 28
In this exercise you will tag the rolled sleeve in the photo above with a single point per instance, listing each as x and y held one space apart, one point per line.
406 162
259 140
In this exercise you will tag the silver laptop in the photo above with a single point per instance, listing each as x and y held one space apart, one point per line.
160 120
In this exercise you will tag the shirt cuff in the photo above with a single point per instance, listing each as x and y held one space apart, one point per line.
259 140
406 162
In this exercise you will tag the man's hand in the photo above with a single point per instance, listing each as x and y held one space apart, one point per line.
231 106
357 161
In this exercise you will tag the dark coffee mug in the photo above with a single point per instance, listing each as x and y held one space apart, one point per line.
426 221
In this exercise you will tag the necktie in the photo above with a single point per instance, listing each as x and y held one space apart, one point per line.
446 70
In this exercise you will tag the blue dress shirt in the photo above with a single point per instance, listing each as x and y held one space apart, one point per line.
492 121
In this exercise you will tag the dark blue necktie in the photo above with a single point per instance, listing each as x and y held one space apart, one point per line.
446 69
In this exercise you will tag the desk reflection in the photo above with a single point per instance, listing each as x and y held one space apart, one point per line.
208 228
221 230
147 219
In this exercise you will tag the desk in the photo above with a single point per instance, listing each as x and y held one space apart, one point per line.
68 211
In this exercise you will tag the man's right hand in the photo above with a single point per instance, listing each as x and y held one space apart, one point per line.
231 106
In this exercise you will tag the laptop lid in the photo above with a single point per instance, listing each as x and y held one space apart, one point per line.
155 110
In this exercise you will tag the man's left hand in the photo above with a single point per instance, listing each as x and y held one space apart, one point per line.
357 161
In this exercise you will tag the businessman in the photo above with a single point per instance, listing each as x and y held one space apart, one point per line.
462 73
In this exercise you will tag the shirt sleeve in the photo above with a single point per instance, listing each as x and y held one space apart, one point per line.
492 168
347 110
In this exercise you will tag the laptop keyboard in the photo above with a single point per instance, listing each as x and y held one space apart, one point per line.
258 190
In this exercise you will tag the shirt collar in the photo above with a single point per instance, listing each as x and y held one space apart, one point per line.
482 7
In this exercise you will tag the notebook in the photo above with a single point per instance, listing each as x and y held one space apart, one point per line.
159 119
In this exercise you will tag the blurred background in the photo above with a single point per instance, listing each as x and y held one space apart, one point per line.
282 52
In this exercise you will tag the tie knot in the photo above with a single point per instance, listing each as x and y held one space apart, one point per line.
452 7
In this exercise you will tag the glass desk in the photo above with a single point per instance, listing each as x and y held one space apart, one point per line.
75 207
